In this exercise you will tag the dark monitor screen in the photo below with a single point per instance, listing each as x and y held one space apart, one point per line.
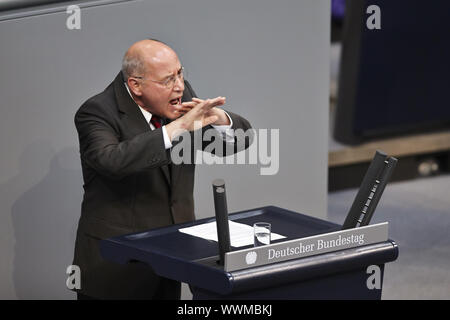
395 79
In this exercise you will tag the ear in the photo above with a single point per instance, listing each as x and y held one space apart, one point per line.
135 86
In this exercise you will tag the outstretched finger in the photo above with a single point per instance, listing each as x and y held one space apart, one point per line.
212 99
185 109
211 103
189 103
198 100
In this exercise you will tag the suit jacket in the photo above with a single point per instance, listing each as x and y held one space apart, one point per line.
130 185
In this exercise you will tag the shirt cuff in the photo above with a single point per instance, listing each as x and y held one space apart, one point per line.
167 142
226 131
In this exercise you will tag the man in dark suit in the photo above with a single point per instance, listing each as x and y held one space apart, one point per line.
130 183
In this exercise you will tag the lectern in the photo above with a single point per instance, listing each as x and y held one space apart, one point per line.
334 273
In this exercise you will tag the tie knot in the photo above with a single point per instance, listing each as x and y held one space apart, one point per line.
156 121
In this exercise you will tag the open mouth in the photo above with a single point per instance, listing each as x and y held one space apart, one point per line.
175 102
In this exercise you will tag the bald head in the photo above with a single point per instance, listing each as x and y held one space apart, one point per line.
144 56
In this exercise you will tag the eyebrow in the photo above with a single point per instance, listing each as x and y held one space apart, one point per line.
171 75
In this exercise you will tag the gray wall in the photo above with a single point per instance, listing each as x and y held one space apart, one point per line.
269 58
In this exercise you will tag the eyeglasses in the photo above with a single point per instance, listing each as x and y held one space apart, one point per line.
168 82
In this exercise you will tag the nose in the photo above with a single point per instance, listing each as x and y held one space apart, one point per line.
179 84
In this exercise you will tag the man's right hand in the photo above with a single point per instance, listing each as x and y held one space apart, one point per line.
197 117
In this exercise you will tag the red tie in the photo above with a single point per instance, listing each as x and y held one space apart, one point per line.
156 121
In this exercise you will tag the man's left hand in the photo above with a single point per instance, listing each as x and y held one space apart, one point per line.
222 118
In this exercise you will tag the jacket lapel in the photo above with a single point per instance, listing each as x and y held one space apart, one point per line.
133 117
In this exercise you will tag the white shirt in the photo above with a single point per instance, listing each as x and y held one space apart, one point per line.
227 134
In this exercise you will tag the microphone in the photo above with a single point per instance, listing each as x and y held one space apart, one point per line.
223 231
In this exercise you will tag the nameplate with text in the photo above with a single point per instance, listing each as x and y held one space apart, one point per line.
305 247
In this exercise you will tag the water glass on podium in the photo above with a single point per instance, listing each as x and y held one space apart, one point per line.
261 233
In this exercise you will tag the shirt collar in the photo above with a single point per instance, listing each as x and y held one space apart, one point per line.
147 115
